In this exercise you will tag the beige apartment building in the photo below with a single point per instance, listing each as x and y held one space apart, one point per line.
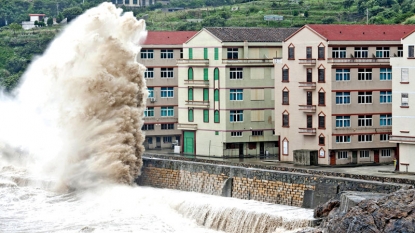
226 91
159 54
403 93
333 93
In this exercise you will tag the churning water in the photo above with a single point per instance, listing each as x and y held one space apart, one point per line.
71 145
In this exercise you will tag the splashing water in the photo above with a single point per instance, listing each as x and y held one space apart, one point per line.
78 110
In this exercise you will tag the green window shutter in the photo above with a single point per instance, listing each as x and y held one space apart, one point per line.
190 74
190 115
205 74
216 53
205 115
190 53
205 53
216 116
216 73
190 94
205 94
216 94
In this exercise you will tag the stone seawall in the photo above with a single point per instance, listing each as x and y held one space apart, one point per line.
279 187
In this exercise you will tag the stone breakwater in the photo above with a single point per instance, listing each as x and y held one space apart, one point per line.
293 187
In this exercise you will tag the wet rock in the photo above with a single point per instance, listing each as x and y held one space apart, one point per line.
324 209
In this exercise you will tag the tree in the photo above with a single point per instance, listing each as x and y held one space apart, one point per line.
59 18
329 20
306 14
72 13
213 21
15 27
50 21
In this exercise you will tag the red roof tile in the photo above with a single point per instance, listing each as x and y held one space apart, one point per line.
168 37
362 32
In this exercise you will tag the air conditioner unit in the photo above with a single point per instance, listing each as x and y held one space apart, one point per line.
152 99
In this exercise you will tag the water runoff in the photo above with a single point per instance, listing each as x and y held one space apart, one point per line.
71 145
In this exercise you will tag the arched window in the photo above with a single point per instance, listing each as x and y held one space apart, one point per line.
190 115
216 94
216 116
216 74
321 140
321 74
321 120
285 147
285 74
190 74
285 119
190 94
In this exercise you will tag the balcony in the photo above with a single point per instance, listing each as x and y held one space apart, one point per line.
358 60
308 85
186 126
197 83
308 62
193 62
197 104
248 61
277 60
307 108
401 139
307 131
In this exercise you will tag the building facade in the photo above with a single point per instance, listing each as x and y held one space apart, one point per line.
333 92
226 91
159 54
403 91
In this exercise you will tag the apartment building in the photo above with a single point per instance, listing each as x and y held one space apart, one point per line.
226 91
333 93
159 54
403 116
135 3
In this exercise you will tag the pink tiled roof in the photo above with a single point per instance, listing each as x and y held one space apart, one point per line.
168 37
334 32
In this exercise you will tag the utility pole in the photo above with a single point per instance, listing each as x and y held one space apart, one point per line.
367 16
57 9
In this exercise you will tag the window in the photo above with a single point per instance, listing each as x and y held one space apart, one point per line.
181 53
364 138
205 115
410 51
285 146
364 154
338 52
321 75
400 51
216 94
342 155
291 51
386 97
321 140
135 2
205 53
150 140
364 120
127 2
385 73
309 52
147 54
190 115
364 97
149 73
149 112
257 133
166 54
342 121
150 92
148 127
342 74
216 116
404 75
216 55
386 120
309 75
343 139
321 98
285 97
404 99
190 53
321 52
361 52
167 92
232 53
167 72
285 74
384 137
190 94
167 139
167 126
167 111
364 74
382 51
342 97
385 153
236 94
190 73
236 134
236 115
285 119
321 121
216 74
205 94
236 73
205 74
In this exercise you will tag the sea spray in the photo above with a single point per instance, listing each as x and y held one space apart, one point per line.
78 110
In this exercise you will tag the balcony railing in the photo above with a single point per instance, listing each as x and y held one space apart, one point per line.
203 104
358 60
186 126
277 60
308 108
193 61
196 82
308 61
308 85
307 131
400 139
248 61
